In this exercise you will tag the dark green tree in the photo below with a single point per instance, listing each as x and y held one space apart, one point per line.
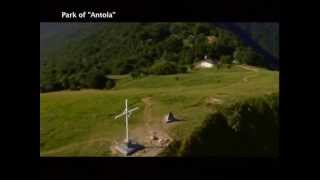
96 79
248 56
226 59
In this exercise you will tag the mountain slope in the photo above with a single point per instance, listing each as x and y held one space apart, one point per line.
263 37
54 36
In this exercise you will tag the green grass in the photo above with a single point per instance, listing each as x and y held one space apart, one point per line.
81 123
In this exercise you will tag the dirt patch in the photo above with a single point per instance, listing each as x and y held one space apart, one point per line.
213 100
245 79
152 134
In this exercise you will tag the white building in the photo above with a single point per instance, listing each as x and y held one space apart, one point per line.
208 63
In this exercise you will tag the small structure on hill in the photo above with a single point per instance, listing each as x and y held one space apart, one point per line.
206 63
235 61
169 118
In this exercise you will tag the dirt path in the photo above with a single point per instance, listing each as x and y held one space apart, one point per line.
248 68
152 135
147 114
246 78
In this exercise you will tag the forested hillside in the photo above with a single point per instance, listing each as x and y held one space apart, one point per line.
54 36
262 37
140 49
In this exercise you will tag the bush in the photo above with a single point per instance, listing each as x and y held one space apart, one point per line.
96 80
226 59
248 56
74 82
172 149
124 69
49 87
163 67
75 88
110 84
182 69
135 74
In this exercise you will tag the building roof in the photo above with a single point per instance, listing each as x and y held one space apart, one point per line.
208 61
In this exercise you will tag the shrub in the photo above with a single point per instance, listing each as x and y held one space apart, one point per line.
182 69
136 74
49 87
172 149
110 84
96 80
124 69
248 56
74 88
226 59
163 67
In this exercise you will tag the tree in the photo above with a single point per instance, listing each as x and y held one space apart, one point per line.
182 69
248 56
135 74
201 46
123 67
96 80
226 59
48 87
74 82
213 51
187 57
110 83
202 28
173 43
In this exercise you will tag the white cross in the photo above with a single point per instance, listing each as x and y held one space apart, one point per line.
127 114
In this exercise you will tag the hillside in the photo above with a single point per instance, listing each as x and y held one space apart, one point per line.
262 37
141 49
265 34
81 123
54 36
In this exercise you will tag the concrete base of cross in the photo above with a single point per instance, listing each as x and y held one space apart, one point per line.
128 148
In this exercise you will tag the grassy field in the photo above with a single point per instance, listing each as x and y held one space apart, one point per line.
81 123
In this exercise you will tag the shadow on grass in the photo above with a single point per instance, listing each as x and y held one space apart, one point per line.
175 121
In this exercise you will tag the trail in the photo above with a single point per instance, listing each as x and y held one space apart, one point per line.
248 68
147 115
151 127
245 79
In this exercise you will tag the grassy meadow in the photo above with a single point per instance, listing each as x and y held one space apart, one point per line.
81 123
